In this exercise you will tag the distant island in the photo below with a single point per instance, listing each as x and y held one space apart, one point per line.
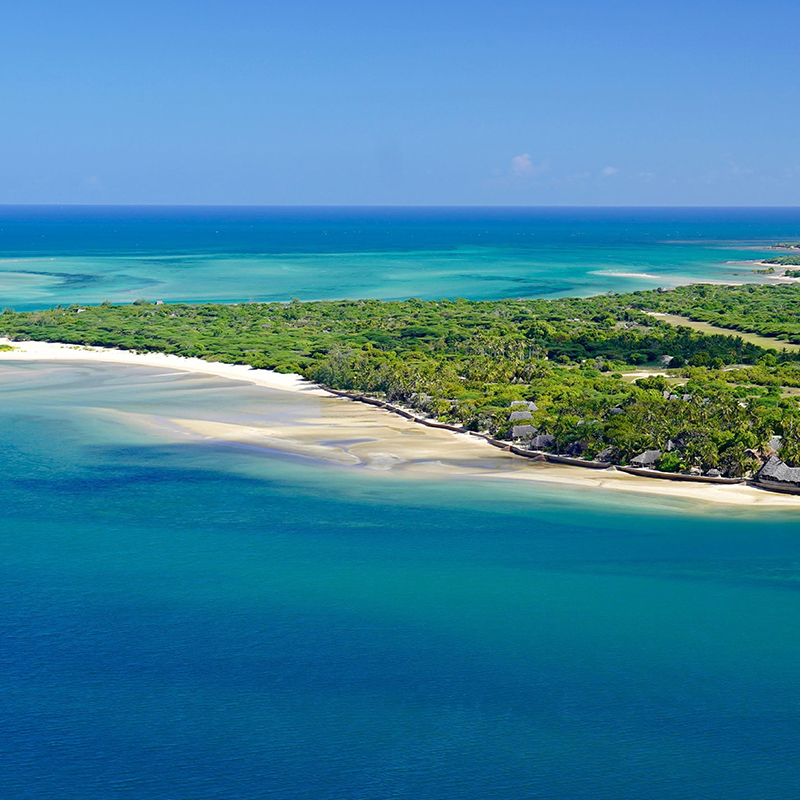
782 261
701 380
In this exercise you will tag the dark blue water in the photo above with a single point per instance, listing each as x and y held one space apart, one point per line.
55 255
107 230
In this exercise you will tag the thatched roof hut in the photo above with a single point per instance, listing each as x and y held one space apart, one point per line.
529 404
647 459
523 432
518 416
544 441
576 449
776 471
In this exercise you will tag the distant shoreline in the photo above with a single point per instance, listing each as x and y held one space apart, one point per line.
778 276
443 449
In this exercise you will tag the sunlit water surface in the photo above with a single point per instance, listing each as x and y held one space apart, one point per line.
87 255
182 619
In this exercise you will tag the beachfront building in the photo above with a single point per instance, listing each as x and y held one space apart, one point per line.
576 449
544 441
519 432
647 460
776 474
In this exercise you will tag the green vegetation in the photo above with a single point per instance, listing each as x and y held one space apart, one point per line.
772 311
784 261
788 245
464 362
4 348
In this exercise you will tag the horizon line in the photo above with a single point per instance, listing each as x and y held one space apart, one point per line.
384 206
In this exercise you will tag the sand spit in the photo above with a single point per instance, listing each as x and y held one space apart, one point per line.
50 351
353 434
614 273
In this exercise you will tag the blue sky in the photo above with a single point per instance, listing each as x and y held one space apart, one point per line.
345 102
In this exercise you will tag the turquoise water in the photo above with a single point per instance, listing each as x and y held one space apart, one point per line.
88 255
198 620
189 619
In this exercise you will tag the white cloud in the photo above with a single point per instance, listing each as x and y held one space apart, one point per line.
738 169
607 172
523 167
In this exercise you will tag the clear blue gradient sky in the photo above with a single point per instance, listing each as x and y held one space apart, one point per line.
496 102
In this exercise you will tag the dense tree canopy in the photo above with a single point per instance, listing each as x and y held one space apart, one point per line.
767 310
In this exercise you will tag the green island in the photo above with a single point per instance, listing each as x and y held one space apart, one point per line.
784 261
600 378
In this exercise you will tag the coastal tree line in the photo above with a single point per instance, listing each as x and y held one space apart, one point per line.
720 402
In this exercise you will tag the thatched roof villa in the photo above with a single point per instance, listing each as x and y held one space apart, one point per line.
523 432
647 460
778 475
576 449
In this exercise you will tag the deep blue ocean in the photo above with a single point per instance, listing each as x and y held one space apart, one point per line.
189 619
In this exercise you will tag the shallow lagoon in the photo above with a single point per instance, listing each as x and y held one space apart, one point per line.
88 255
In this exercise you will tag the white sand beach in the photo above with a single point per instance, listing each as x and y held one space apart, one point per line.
49 351
352 434
777 276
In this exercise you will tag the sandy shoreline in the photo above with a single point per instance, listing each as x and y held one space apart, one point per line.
353 434
50 351
778 276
